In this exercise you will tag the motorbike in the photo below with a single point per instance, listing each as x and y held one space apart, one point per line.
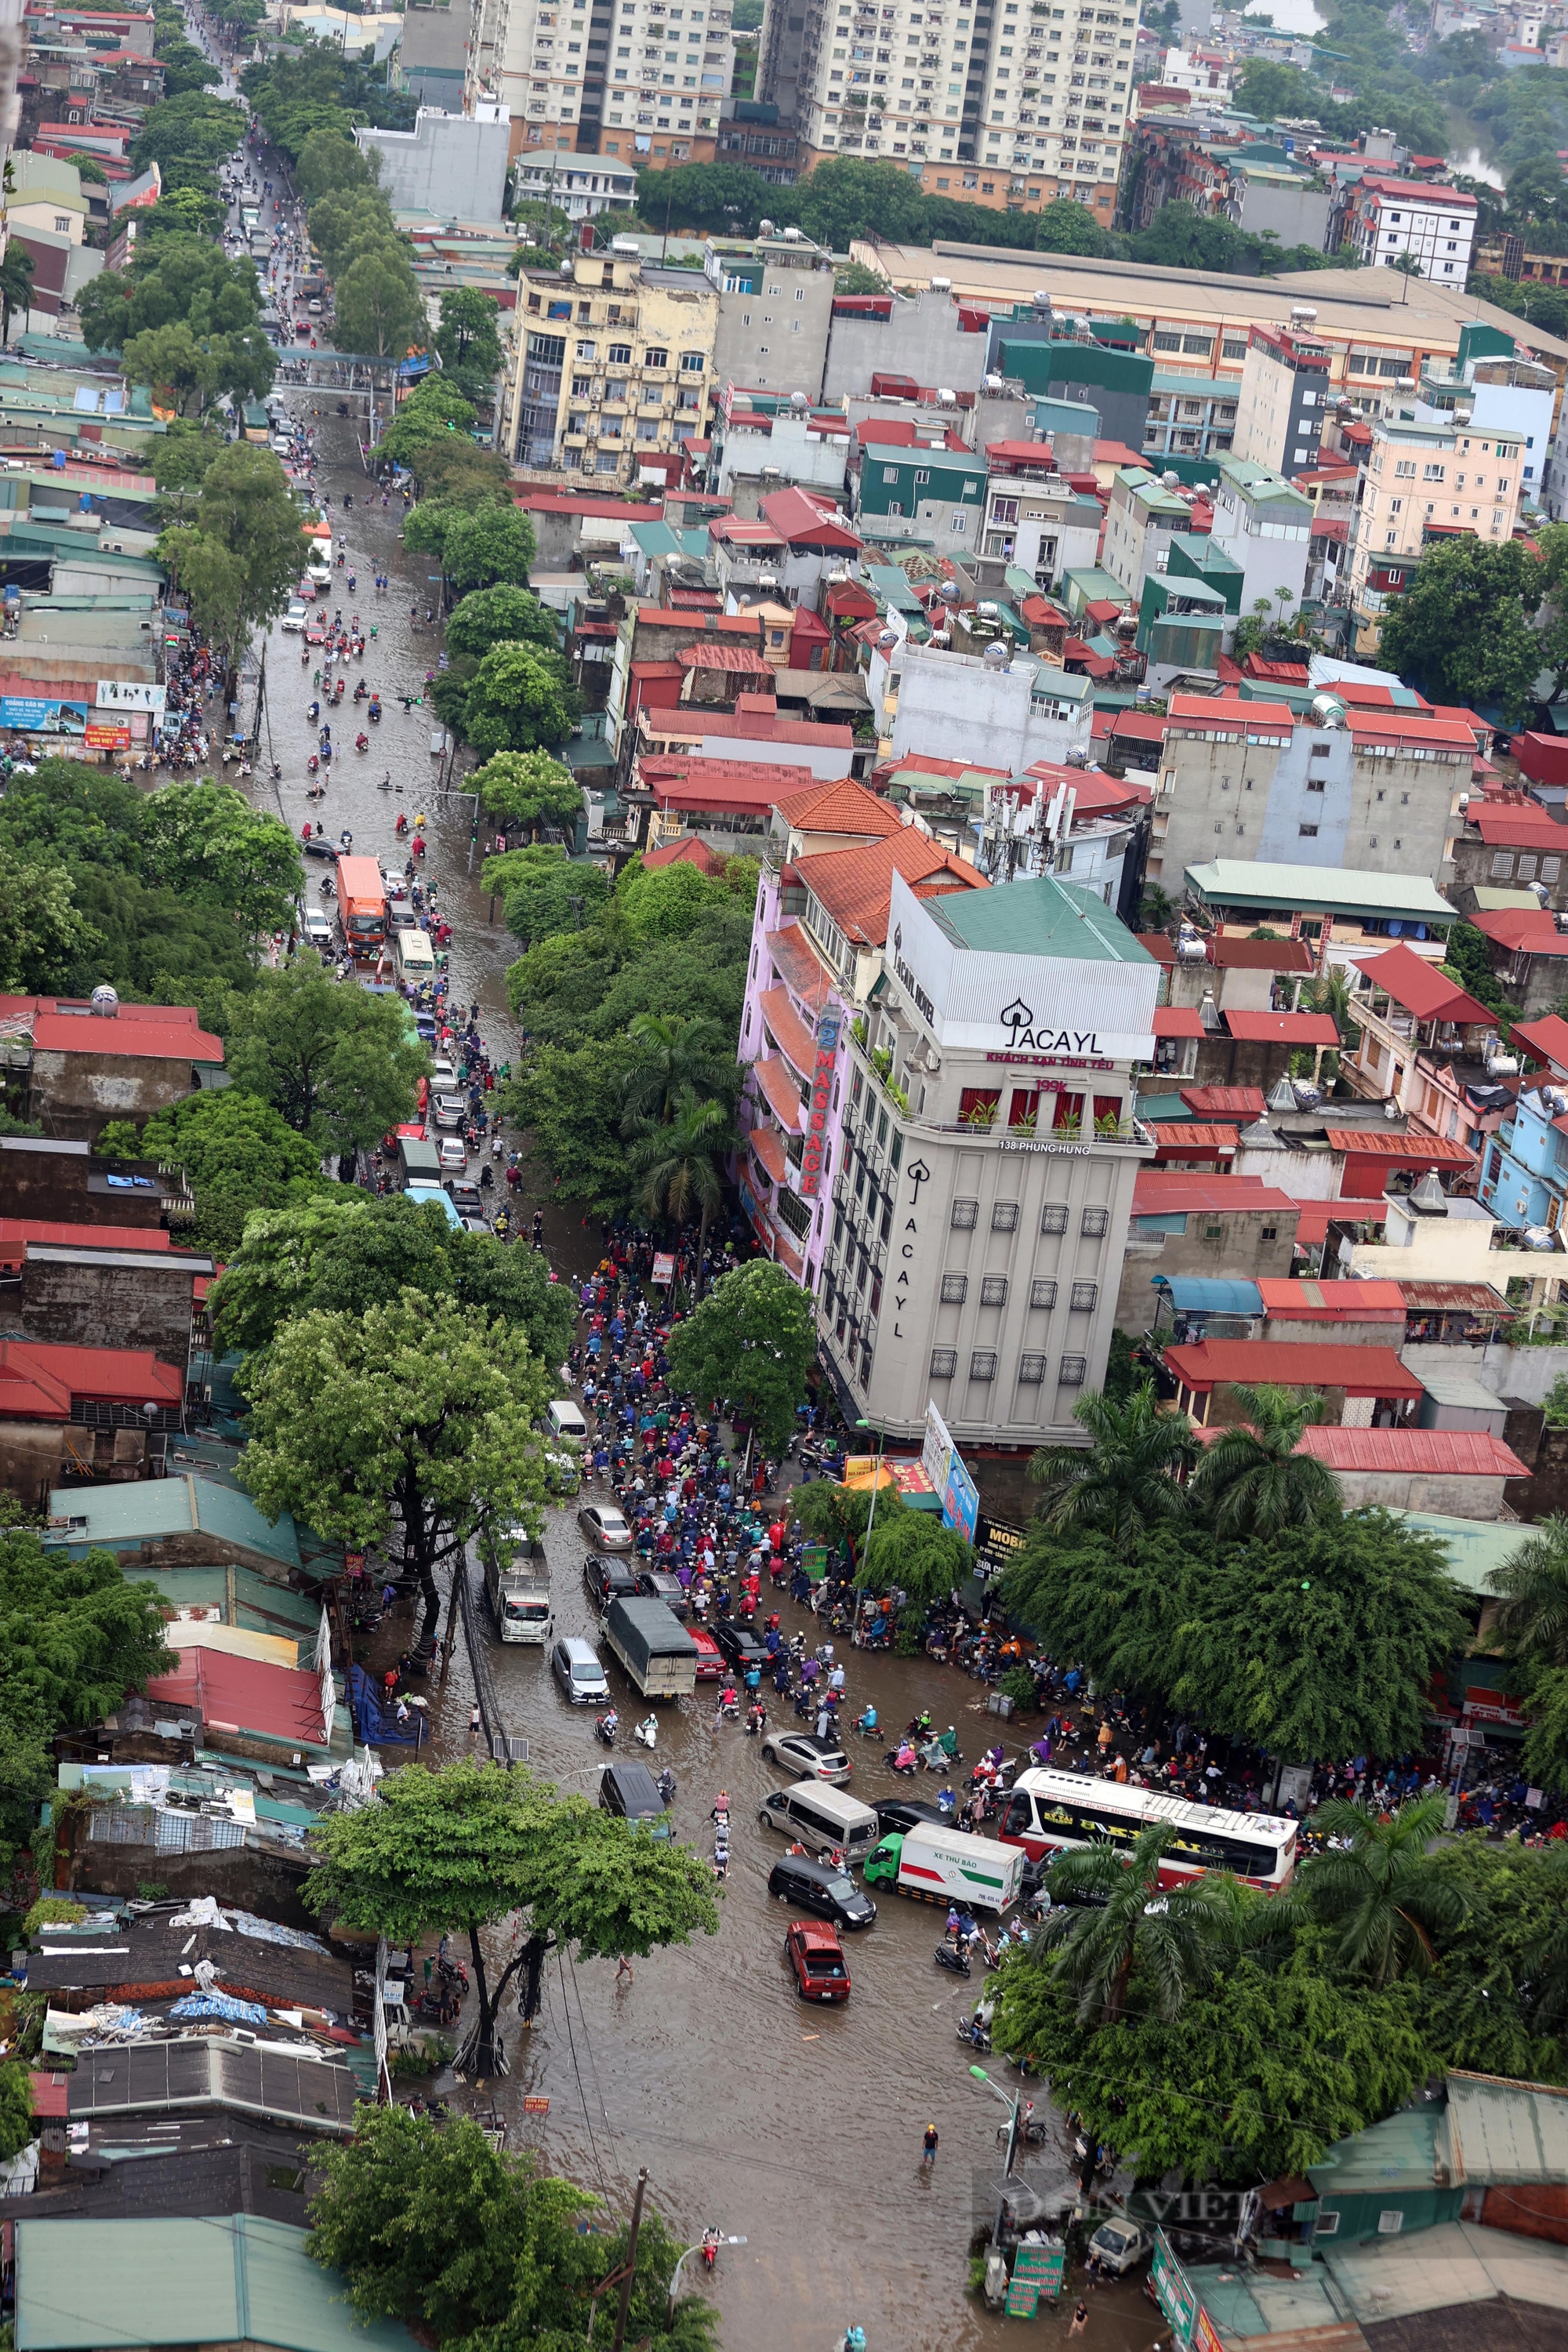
666 1785
902 1759
956 1963
312 765
975 2033
866 1724
375 712
605 1727
361 741
647 1731
327 889
400 826
936 1757
385 784
710 2249
277 771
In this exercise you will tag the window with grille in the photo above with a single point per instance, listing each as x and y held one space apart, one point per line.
1005 1217
965 1215
983 1364
1073 1372
1031 1370
1054 1218
1042 1294
1084 1295
943 1363
994 1290
954 1289
1096 1225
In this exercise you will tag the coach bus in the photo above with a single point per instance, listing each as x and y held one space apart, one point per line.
1051 1812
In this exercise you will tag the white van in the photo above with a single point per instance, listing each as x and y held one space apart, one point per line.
822 1819
416 958
566 1421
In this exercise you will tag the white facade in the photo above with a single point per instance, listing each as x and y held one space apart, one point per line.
978 1234
582 186
1390 218
452 165
1266 526
1031 86
794 448
963 706
653 67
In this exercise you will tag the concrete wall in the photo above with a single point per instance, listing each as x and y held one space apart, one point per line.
956 708
42 1177
777 340
72 1296
1523 1375
1462 1498
1297 215
921 340
450 165
1241 1254
76 1095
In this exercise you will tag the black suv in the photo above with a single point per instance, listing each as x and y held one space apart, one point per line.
739 1645
608 1580
899 1815
817 1886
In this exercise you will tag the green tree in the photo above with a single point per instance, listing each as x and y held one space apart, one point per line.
1064 226
675 1055
342 1252
337 1062
569 1099
1461 628
844 199
211 579
187 137
853 277
206 840
239 1156
521 699
177 365
1532 1584
530 789
913 1551
750 1343
460 1849
43 932
1110 1931
433 2226
1380 1887
378 306
422 1407
431 414
467 339
347 220
1124 1481
681 1164
725 197
500 616
545 891
239 557
331 161
1253 1481
180 460
841 1515
16 286
489 549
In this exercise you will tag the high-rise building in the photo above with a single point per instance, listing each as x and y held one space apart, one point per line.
613 368
1026 86
612 71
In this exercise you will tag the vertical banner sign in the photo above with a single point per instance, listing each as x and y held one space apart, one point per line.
827 1029
1205 2334
940 1461
1171 2292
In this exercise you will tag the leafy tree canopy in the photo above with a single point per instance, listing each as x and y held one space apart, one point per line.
337 1062
499 615
238 1152
750 1343
1461 626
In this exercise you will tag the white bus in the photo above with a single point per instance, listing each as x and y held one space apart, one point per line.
1051 1812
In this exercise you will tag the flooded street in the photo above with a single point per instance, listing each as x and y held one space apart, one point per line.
798 2130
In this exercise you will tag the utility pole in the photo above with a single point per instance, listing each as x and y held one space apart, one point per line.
620 2334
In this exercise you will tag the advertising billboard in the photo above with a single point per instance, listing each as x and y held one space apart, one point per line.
38 714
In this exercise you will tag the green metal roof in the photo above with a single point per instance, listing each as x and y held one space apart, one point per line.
142 1511
1041 918
1398 2153
1474 1546
1319 889
88 2286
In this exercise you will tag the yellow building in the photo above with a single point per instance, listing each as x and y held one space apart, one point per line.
611 368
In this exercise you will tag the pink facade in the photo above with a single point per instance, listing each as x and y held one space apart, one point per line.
795 1031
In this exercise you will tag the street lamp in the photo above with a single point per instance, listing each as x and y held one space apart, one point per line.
697 2249
876 1476
1012 2104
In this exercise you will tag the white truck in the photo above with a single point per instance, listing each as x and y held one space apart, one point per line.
517 1585
942 1865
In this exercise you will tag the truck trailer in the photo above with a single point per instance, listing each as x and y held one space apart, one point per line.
654 1647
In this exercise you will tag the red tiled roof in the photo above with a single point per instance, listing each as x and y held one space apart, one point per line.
1281 1028
1260 955
1406 1150
231 1693
40 1380
1408 727
794 1041
1191 1137
16 1232
1137 725
691 721
854 886
840 805
1421 987
1290 1364
1244 1102
778 1088
770 1151
1332 1302
689 852
1436 1452
799 518
1228 711
1545 1040
687 781
665 617
1531 931
1177 1021
140 1032
733 657
1175 1191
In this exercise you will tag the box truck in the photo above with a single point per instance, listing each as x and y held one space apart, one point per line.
944 1865
658 1652
362 903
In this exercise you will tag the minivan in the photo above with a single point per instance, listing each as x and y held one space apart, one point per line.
630 1790
566 1420
575 1666
822 1819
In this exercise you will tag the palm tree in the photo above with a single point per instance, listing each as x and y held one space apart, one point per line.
1158 911
1252 1481
1534 1582
673 1055
1381 1887
1331 994
682 1166
1111 1924
16 285
1124 1483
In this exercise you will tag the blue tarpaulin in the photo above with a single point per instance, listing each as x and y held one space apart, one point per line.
1198 1295
219 2004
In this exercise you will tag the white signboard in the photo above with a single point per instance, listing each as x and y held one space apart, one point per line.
122 694
937 1451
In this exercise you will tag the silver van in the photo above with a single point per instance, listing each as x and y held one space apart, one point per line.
575 1666
822 1818
566 1420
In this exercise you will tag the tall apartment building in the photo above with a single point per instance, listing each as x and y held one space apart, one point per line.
1383 219
607 74
1284 397
982 1192
1422 481
1026 86
1346 789
611 367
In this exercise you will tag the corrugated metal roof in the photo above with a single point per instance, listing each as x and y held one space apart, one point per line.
1395 2154
310 2093
1191 1294
1433 1452
1354 1302
84 2284
1453 1298
1505 2133
1359 1372
145 1510
1435 2270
